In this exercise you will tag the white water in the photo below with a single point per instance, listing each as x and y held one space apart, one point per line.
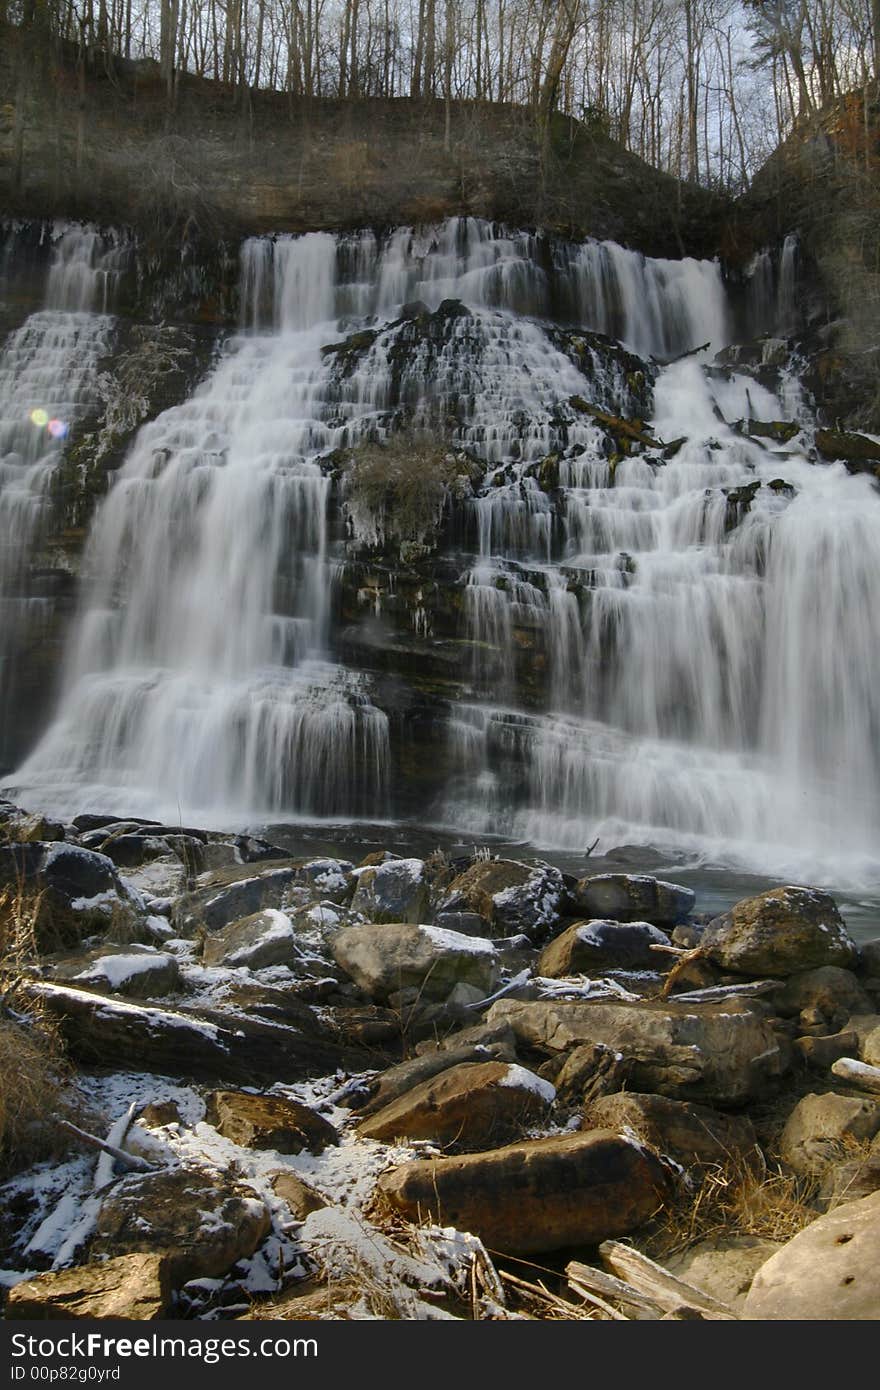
714 692
48 365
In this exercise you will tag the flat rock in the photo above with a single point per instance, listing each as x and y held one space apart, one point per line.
587 947
265 938
472 1105
724 1266
826 1273
269 1122
201 1221
127 1286
780 933
723 1053
396 891
383 959
819 1126
691 1134
138 971
633 898
541 1194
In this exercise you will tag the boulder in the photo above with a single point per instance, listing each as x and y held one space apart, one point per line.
819 1126
269 1122
836 993
231 894
383 959
472 1105
537 1195
512 898
588 1072
396 891
723 1266
397 1081
131 850
263 939
299 1196
127 1286
869 958
782 932
76 893
826 1273
588 947
201 1221
691 1134
328 878
724 1053
822 1053
633 898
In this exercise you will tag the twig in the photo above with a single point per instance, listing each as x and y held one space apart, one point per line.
131 1162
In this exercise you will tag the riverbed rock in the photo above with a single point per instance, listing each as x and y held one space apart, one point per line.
396 891
724 1053
512 898
826 1273
724 1266
231 894
127 1286
139 971
383 959
269 1122
780 933
263 939
588 1072
819 1126
473 1106
633 898
870 1047
537 1195
836 993
587 947
693 1135
201 1221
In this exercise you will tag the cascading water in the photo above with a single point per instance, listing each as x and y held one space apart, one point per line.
711 664
47 381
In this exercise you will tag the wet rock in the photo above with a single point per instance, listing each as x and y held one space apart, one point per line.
135 970
511 897
202 1222
725 1053
396 891
299 1196
382 959
724 1266
263 939
828 1272
692 1134
269 1122
782 932
231 894
588 947
818 1129
537 1195
857 451
836 993
127 1286
633 898
471 1106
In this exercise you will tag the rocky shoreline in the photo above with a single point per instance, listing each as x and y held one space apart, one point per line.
302 1088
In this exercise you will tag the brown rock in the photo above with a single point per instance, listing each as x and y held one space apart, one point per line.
472 1106
509 896
633 898
821 1053
201 1221
299 1196
129 1286
588 1072
542 1194
691 1134
836 993
585 947
402 1079
269 1122
780 933
819 1126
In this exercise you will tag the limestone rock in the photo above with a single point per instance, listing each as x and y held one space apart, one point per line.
586 947
263 939
541 1194
633 898
394 956
76 893
780 933
201 1221
870 1049
818 1127
396 891
826 1273
512 898
724 1266
724 1053
128 1286
269 1122
690 1134
472 1106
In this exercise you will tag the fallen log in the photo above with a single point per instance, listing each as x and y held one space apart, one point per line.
657 1284
857 1073
590 1283
749 989
628 429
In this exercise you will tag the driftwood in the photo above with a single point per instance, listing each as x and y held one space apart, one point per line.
543 1295
590 1283
516 983
656 1283
860 1074
749 989
131 1162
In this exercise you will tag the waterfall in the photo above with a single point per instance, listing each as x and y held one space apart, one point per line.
47 382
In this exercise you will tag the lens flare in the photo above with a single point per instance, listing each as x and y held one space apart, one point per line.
58 428
40 418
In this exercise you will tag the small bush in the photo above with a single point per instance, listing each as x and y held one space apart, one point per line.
396 492
33 1080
